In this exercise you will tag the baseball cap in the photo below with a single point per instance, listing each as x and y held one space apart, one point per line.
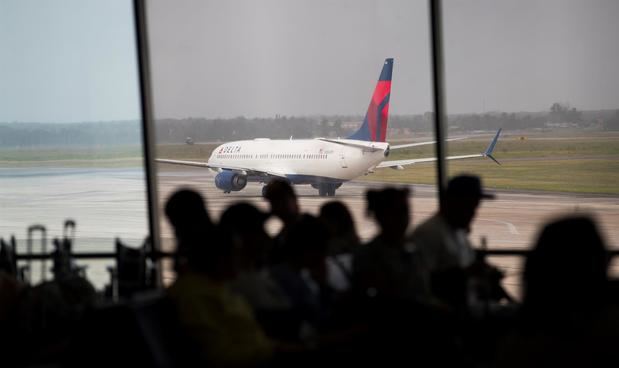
467 186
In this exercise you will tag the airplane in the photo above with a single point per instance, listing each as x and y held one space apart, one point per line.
323 163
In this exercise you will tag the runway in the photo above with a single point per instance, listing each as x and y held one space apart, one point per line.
110 203
510 221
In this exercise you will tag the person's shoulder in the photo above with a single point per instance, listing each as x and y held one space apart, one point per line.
430 226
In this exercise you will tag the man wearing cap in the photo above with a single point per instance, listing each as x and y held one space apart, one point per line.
442 241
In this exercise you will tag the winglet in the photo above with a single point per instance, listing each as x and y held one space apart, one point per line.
490 149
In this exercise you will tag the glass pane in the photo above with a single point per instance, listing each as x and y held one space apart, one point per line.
545 72
70 126
240 70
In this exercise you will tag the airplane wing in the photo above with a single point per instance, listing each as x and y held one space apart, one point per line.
186 163
353 143
399 164
407 145
244 171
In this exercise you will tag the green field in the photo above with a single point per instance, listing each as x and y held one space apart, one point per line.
103 156
574 162
546 162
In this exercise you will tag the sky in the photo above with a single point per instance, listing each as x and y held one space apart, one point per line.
261 58
67 61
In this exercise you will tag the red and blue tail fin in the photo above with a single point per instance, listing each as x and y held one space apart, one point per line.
374 127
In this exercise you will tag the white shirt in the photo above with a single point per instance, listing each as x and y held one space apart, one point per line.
441 246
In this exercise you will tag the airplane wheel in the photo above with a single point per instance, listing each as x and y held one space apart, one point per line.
322 192
264 191
331 192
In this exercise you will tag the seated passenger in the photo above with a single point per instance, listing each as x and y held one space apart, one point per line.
283 201
186 211
343 241
302 275
219 323
566 319
254 283
442 240
387 266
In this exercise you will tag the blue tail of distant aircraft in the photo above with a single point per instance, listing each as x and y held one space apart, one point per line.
374 127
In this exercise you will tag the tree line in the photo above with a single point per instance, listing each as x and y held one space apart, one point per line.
284 127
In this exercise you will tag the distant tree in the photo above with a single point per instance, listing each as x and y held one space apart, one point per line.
324 127
613 122
562 113
338 127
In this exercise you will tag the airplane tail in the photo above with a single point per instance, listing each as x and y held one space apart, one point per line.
374 127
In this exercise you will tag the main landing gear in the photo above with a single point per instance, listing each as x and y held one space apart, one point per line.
327 190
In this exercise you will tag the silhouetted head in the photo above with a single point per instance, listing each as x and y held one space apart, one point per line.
246 222
339 222
462 198
567 266
337 218
283 200
390 208
186 211
307 242
217 257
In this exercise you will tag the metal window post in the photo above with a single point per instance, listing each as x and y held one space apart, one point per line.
438 93
148 127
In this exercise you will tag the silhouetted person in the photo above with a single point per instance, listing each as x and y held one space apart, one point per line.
11 292
386 266
219 325
566 319
341 226
389 280
284 205
343 241
254 282
302 275
186 211
442 240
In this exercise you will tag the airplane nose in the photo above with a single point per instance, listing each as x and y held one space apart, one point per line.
387 151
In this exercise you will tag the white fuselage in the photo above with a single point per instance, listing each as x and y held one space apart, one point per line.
302 161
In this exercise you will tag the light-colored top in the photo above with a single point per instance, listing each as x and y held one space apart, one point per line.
219 321
260 290
440 246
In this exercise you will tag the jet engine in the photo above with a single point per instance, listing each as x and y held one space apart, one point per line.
229 181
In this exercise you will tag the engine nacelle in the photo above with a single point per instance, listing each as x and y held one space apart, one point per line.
229 181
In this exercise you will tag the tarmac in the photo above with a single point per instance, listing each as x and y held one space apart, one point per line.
111 203
511 221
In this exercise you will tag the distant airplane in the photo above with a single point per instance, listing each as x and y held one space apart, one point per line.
323 163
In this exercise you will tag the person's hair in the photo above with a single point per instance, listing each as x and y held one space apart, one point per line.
380 201
186 207
241 217
568 262
337 216
278 188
